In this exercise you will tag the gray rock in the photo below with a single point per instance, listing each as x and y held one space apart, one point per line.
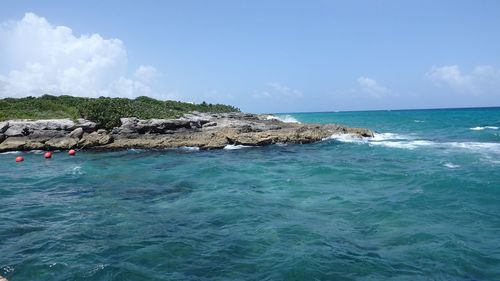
76 133
86 125
154 126
162 125
52 124
129 121
4 126
198 124
47 134
24 127
196 116
49 124
16 129
241 116
203 130
61 143
260 128
98 138
196 119
34 145
13 143
128 126
209 124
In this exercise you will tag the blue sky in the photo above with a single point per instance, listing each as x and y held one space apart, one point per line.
262 56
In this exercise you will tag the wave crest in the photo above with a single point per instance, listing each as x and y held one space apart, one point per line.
485 127
235 146
451 165
283 118
393 140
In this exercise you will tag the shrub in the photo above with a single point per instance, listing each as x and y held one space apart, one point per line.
104 111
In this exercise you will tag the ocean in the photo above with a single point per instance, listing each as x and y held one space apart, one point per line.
419 201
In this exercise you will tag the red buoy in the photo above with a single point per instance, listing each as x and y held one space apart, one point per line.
48 155
72 152
19 159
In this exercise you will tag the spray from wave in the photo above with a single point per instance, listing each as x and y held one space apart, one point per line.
283 118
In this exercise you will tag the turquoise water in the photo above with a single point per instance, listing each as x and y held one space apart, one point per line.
420 201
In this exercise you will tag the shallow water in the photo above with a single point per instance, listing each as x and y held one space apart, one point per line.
420 201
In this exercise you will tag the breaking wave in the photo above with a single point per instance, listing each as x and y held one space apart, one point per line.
189 148
283 118
377 138
136 150
451 165
235 146
485 127
19 152
411 142
11 152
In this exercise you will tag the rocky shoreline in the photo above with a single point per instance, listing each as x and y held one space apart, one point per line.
201 130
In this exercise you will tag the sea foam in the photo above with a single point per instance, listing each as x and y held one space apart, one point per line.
283 118
451 165
347 138
378 137
76 170
393 140
235 146
403 144
189 148
11 152
485 127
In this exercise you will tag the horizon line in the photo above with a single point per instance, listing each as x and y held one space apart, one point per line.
401 109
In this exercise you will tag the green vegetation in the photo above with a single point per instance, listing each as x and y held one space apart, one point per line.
104 111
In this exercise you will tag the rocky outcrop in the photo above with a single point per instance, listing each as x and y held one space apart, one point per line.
203 130
97 138
157 126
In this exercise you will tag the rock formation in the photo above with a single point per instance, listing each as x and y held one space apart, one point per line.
203 130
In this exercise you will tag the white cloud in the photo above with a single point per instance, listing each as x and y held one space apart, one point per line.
277 90
483 79
130 88
39 58
371 87
146 73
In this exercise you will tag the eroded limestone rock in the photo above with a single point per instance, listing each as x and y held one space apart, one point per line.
97 138
61 143
4 126
76 133
203 130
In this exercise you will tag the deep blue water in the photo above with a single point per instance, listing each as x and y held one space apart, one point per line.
420 201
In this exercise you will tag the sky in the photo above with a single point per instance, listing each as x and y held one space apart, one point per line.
261 56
